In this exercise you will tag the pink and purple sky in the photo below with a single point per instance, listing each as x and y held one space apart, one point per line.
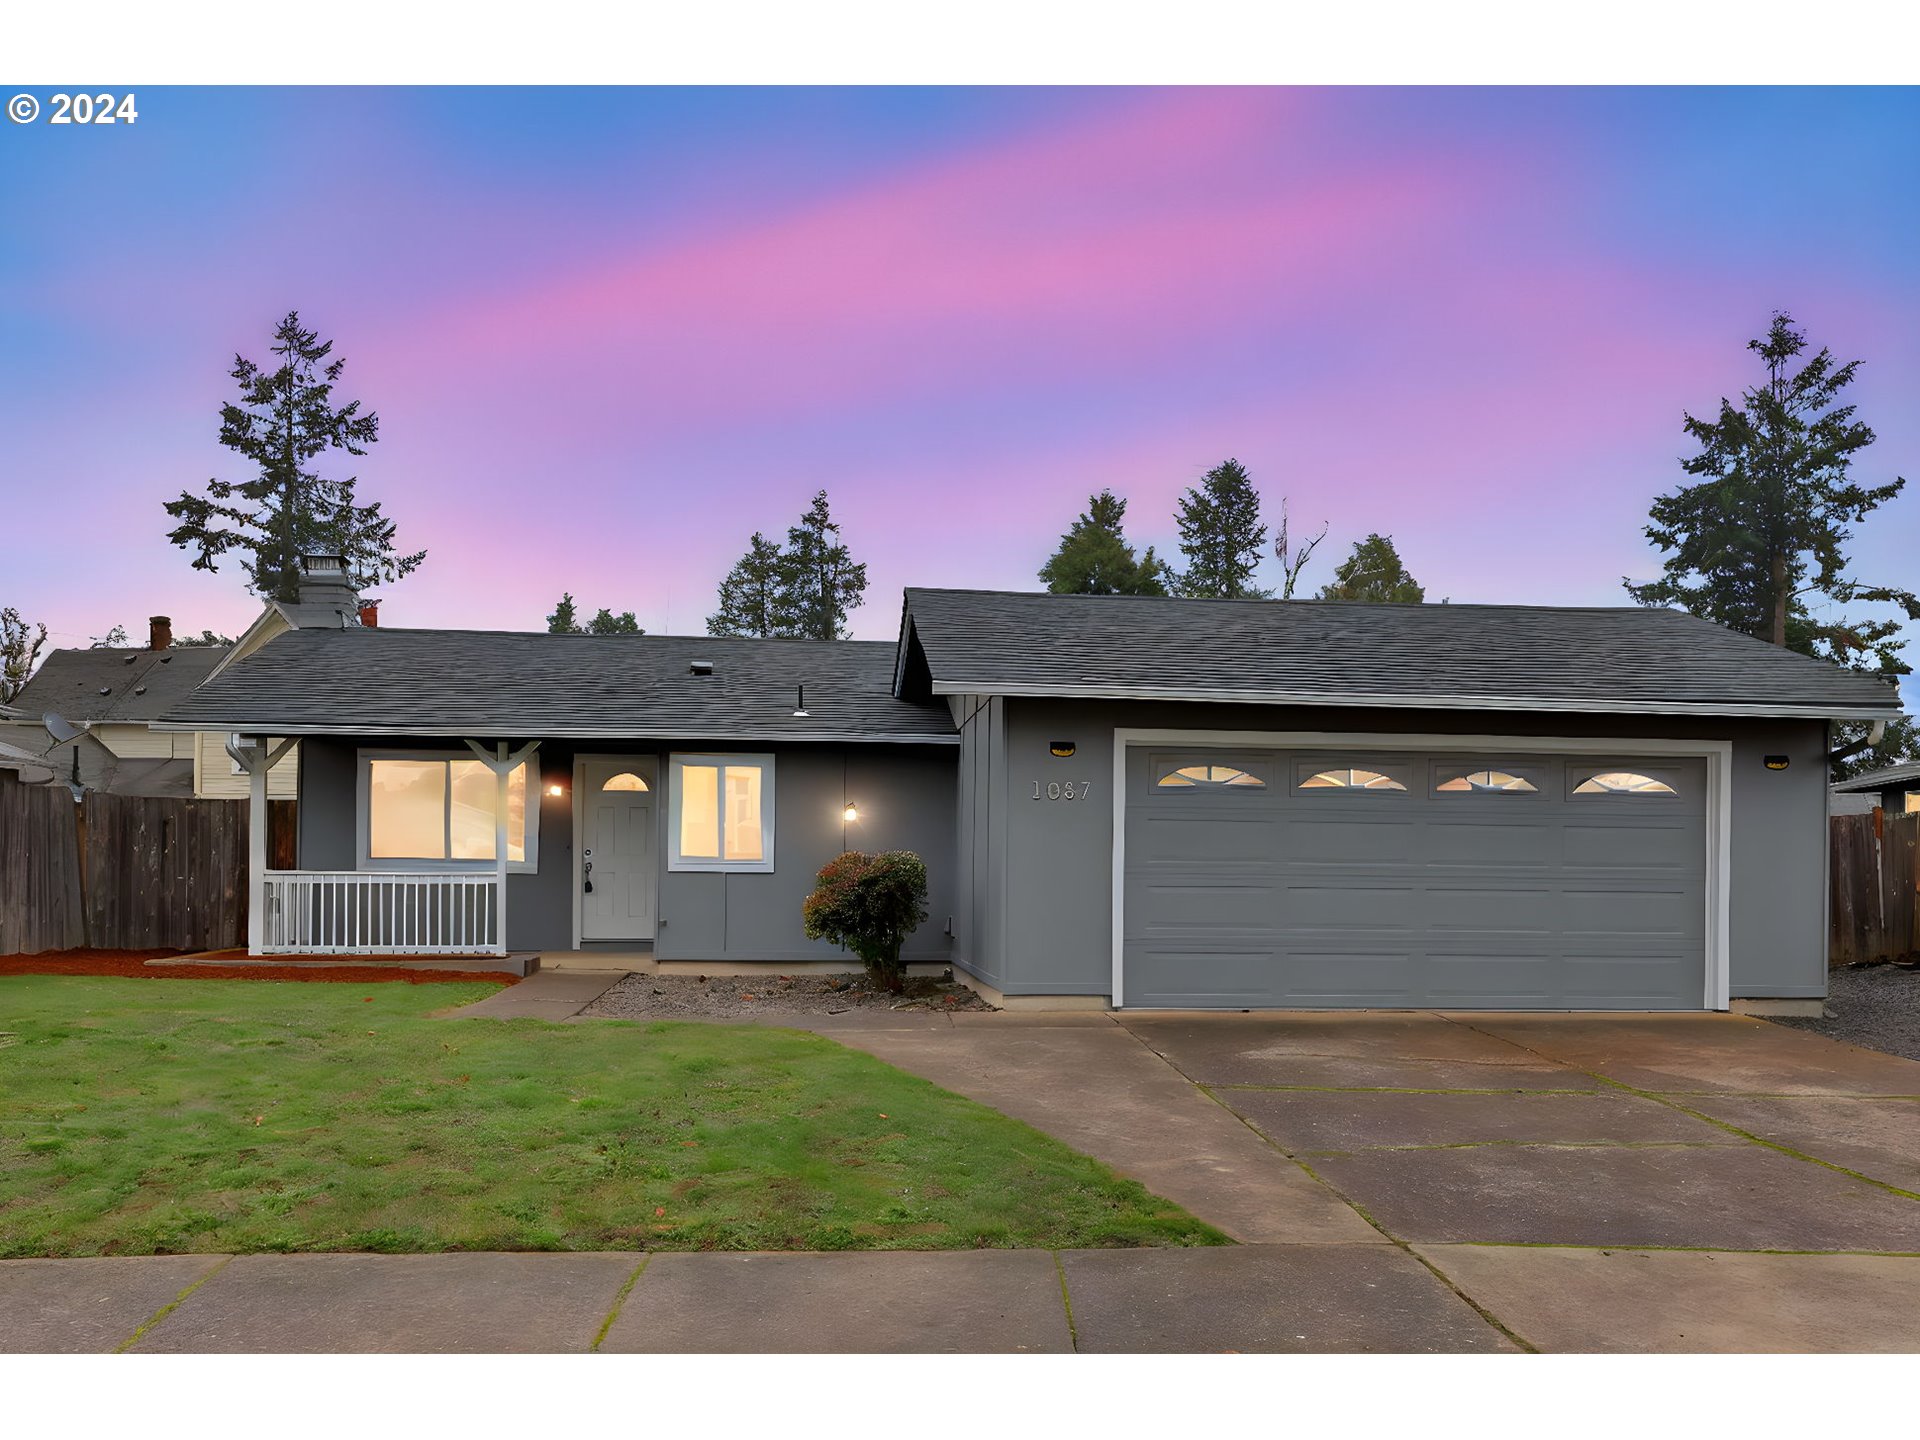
611 333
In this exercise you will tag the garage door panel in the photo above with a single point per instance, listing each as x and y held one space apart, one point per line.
1348 840
1481 899
1629 846
1174 907
1215 838
1507 844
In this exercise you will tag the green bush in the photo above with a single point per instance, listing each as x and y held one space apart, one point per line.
870 904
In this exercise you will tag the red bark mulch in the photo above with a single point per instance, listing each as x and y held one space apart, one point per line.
131 964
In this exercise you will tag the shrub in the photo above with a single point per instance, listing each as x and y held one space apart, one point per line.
870 904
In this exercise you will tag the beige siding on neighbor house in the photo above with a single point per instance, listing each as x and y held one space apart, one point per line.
214 777
139 742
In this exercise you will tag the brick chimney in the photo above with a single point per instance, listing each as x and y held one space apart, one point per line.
370 614
159 632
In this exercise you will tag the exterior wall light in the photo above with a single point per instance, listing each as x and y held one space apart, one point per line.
556 790
852 813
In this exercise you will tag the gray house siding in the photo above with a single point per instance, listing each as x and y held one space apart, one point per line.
1048 896
905 796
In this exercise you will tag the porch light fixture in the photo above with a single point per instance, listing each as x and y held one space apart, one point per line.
556 790
852 813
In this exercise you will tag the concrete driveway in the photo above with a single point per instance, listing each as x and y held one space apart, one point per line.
1632 1182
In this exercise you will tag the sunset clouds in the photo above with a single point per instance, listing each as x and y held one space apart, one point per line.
610 341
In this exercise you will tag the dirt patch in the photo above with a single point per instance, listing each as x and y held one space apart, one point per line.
132 965
732 996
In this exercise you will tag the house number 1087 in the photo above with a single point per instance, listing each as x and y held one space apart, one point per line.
1062 790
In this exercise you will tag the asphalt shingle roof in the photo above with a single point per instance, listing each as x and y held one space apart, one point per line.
1880 779
1518 657
139 685
510 684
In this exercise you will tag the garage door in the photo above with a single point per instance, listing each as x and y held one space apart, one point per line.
1387 878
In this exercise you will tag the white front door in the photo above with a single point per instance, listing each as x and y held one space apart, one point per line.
618 871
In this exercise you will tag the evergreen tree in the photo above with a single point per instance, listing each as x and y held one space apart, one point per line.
1094 557
819 581
1766 523
20 646
1374 572
284 422
605 622
1221 536
750 597
565 620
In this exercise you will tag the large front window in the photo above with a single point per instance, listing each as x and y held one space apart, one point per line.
436 809
721 812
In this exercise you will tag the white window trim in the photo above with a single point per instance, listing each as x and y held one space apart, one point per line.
1718 754
363 815
675 790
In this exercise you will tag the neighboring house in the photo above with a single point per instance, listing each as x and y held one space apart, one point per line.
1121 800
113 695
1895 789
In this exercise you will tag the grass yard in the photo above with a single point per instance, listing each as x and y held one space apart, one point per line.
155 1116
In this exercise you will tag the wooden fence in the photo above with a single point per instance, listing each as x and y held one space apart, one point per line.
122 872
1875 880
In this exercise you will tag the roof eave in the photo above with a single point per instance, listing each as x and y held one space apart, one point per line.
568 732
1421 702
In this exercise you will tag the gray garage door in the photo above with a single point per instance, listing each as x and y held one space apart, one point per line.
1356 878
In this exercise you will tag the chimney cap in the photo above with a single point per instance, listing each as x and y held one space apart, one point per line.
324 564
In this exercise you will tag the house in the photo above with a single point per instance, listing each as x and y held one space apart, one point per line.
1895 789
112 695
1121 800
115 694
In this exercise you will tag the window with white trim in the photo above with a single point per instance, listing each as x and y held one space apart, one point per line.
720 812
424 810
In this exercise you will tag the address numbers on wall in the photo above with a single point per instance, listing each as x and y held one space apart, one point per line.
1062 790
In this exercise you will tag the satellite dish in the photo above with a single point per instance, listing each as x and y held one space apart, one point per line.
59 728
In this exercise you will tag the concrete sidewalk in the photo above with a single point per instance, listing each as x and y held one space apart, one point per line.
1331 1298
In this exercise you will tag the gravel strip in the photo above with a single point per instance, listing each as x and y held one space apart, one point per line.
730 997
1875 1006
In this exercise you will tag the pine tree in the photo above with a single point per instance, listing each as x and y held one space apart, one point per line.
605 622
750 597
1094 557
1221 536
565 620
1766 524
1374 572
284 422
20 646
819 582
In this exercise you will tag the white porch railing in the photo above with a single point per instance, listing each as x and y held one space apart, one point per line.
373 912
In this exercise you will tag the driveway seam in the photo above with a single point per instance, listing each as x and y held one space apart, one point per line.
1066 1302
1403 1246
619 1303
1731 1129
1678 1249
167 1309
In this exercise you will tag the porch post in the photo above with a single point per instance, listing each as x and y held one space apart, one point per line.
500 838
502 763
256 847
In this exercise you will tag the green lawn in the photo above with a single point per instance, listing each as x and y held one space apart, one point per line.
153 1116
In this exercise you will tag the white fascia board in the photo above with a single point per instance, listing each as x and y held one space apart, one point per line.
1405 702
